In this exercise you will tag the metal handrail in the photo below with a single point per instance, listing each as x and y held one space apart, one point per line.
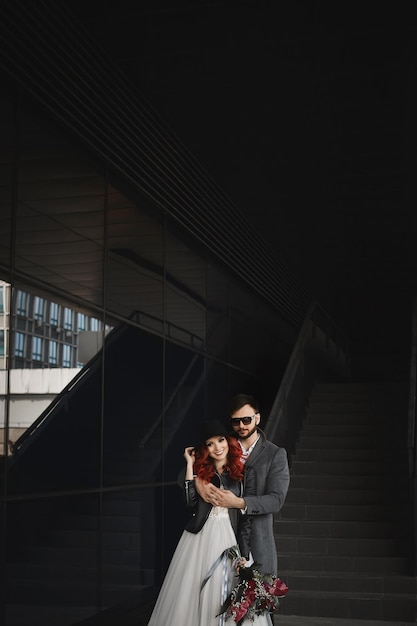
288 408
174 395
411 430
155 425
40 422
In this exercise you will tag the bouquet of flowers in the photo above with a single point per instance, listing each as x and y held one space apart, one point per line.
255 594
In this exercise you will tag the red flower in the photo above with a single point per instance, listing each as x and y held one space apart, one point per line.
240 613
256 594
278 588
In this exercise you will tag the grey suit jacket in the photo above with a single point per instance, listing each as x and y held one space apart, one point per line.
272 480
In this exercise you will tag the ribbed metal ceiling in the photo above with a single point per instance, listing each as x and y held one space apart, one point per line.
51 58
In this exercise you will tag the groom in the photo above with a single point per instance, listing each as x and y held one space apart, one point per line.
272 479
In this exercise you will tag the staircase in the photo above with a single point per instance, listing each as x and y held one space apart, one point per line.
345 535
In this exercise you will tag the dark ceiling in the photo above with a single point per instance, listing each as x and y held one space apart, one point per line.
303 112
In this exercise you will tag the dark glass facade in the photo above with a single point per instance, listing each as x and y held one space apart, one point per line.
88 490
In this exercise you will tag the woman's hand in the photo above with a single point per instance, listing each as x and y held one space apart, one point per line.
189 454
240 563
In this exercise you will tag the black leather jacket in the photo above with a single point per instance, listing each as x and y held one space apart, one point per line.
241 523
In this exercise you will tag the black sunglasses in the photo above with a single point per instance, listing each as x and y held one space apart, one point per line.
245 420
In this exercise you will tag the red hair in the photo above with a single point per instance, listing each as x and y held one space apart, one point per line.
204 465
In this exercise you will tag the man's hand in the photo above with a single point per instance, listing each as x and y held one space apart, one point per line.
207 491
218 497
229 500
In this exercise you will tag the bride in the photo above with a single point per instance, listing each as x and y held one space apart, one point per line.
202 572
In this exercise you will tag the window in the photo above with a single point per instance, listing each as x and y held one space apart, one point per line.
19 346
37 348
66 356
21 303
81 321
1 342
93 323
67 319
54 314
1 299
38 305
53 352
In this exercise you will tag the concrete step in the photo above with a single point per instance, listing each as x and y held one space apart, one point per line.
347 482
350 583
343 513
343 549
344 546
351 606
343 467
338 428
340 529
319 563
334 496
331 441
343 454
316 415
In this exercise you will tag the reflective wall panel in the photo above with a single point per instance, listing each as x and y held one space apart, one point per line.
60 213
134 263
121 338
133 406
52 560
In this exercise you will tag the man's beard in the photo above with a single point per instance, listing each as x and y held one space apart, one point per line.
249 434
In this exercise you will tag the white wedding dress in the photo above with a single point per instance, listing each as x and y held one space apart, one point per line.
180 600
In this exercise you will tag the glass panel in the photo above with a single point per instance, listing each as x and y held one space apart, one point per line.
60 214
129 547
260 348
217 314
81 321
134 348
53 313
38 306
134 272
132 405
56 377
275 340
4 306
55 403
4 338
53 352
51 559
21 303
185 391
68 315
6 168
185 408
242 330
185 294
37 347
217 391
